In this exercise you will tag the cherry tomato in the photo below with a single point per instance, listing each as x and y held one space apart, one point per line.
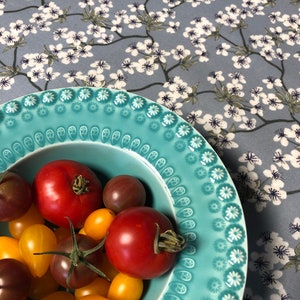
66 188
14 280
138 243
98 222
81 231
61 233
124 287
97 287
40 287
80 275
123 191
15 196
60 295
106 267
92 297
9 248
31 217
37 238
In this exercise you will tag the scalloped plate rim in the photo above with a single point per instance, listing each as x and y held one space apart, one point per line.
158 118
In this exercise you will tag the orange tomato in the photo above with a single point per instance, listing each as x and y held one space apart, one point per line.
9 248
124 287
81 231
98 287
61 295
98 222
31 217
92 297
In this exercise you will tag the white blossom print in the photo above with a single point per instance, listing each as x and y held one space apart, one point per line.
228 68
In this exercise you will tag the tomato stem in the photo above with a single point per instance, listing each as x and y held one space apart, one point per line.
168 241
92 250
78 256
80 185
96 270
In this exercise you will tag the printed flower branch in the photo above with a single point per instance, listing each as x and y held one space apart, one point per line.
224 75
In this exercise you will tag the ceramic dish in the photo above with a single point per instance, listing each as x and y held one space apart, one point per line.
116 132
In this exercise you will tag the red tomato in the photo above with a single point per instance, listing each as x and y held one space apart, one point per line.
137 243
66 188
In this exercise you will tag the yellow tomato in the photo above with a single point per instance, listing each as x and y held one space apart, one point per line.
37 238
98 222
124 287
31 217
9 248
98 287
61 295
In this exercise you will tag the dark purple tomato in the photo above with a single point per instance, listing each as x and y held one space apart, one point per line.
15 196
123 191
81 275
15 280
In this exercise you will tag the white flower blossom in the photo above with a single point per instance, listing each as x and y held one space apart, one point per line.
275 175
294 158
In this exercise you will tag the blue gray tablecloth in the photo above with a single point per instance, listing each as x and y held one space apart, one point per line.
228 67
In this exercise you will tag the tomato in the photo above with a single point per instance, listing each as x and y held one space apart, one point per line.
61 233
124 287
66 188
97 287
92 297
106 267
42 286
98 222
31 217
123 191
81 231
14 280
15 196
60 295
37 238
141 243
9 248
77 260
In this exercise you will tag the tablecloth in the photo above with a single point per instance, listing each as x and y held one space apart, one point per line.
230 68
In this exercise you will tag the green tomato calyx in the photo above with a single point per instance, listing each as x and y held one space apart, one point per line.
80 185
168 241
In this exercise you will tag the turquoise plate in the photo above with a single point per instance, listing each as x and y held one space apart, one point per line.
116 132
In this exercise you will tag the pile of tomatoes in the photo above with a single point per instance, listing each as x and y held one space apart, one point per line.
71 238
